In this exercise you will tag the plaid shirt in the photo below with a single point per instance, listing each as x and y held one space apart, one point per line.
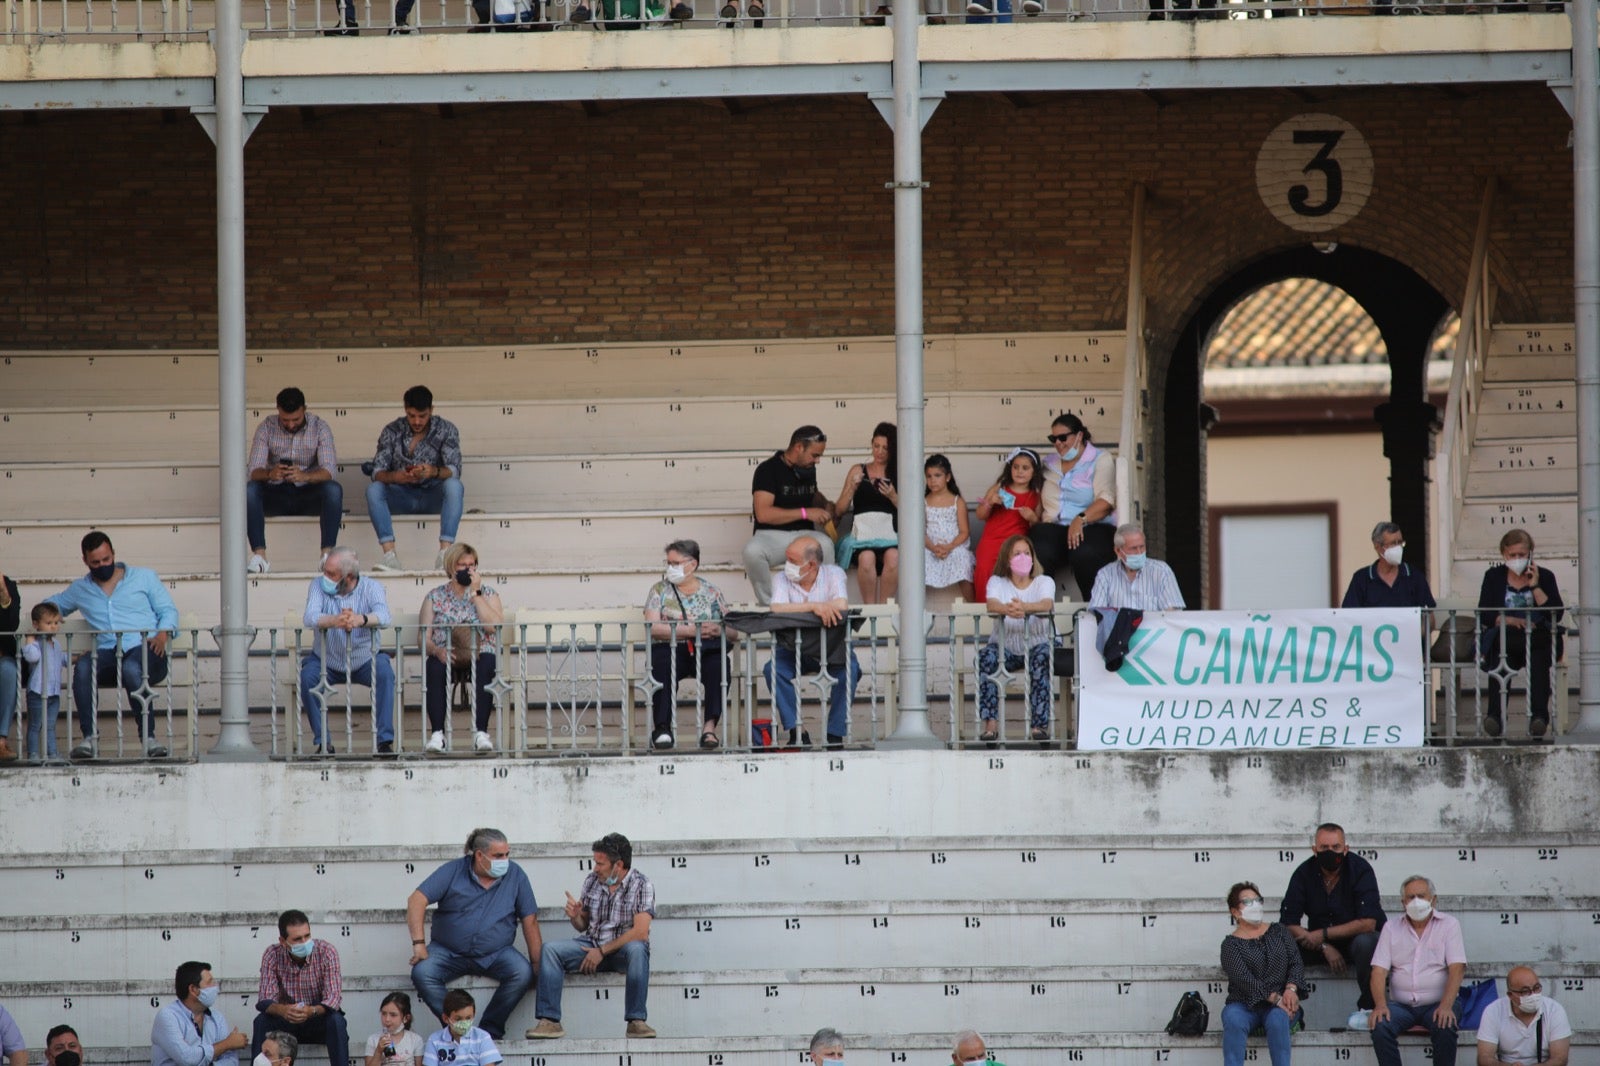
310 447
284 979
611 913
440 446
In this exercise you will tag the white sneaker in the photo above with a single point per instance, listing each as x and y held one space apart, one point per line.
436 743
1358 1019
976 8
438 560
258 564
663 740
481 741
390 561
1031 7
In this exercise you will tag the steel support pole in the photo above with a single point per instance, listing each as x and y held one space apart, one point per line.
1586 327
911 725
233 636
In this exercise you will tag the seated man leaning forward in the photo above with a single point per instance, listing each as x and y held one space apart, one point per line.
613 915
785 504
482 898
1524 1028
346 610
1422 960
1135 581
417 470
301 991
1336 894
810 586
291 469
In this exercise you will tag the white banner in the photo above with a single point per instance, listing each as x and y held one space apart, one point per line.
1223 680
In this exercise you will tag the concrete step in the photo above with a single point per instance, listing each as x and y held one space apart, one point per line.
1552 522
1533 467
1527 409
1536 352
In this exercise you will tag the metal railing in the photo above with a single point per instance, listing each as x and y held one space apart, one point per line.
585 683
173 20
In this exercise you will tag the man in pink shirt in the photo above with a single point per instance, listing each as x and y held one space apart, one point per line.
1422 960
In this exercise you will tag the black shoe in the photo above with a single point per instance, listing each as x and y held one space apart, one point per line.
581 13
680 12
386 750
1491 725
1538 725
799 738
835 741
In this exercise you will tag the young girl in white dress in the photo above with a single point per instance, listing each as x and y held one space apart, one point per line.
948 559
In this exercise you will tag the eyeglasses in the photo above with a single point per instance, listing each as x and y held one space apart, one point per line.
1060 438
1526 991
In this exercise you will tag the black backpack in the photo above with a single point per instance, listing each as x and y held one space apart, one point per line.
1190 1017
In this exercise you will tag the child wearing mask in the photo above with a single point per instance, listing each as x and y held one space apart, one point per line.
460 1043
394 1044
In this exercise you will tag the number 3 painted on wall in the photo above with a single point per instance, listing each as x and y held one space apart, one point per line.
1314 172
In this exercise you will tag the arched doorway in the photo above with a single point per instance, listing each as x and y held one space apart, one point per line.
1407 311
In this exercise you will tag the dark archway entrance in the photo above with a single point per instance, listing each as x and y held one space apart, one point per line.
1407 311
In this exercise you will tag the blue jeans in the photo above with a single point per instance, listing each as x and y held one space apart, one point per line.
383 692
1386 1034
508 966
562 957
329 1029
784 695
104 670
443 498
41 708
1238 1020
8 693
324 499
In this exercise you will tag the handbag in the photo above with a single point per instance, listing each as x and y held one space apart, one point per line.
1456 640
1063 660
1472 1000
873 526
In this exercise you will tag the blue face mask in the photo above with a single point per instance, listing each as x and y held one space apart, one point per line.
330 586
612 880
1134 562
208 996
303 951
498 868
1070 454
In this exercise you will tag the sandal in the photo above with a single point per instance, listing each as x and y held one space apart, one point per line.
1040 733
989 736
709 741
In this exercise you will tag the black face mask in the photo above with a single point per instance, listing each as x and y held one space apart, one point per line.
68 1058
1329 860
464 578
103 573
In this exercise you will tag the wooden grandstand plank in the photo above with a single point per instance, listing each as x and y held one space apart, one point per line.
1551 521
1531 353
1523 468
1527 412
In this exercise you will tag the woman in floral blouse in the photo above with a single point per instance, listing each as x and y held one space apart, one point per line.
685 613
458 623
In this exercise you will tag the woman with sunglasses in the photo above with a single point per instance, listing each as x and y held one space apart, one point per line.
1079 511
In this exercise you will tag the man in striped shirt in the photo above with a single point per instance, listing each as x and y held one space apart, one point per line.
1135 580
291 473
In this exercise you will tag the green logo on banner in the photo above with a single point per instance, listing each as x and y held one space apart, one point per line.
1134 670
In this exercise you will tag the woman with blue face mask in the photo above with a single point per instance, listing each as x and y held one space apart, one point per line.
1079 509
1264 979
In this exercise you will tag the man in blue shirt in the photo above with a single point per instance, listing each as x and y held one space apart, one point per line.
482 897
190 1031
1389 582
134 618
346 610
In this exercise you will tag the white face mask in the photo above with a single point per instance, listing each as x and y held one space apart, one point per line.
792 571
675 574
1418 909
261 1060
1531 1003
1393 555
1518 565
1251 911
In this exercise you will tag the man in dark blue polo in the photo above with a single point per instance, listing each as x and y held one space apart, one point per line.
1391 581
481 898
1336 892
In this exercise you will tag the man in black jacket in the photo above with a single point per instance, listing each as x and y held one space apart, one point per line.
1336 892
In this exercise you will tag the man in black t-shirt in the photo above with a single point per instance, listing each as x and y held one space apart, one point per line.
1336 892
785 504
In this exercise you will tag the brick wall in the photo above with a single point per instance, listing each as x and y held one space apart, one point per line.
685 220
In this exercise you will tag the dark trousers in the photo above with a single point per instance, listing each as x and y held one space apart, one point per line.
439 684
1528 649
1357 951
105 669
328 1029
1092 553
324 499
674 662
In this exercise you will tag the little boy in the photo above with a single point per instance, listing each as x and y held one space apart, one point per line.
48 660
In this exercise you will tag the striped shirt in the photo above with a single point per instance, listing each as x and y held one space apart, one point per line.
285 979
611 913
339 649
475 1049
1155 588
310 447
1260 967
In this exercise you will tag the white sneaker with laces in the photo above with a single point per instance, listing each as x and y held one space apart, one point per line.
436 743
258 564
481 741
663 740
1358 1019
390 561
438 560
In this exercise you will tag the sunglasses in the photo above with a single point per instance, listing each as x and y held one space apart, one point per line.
1060 438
